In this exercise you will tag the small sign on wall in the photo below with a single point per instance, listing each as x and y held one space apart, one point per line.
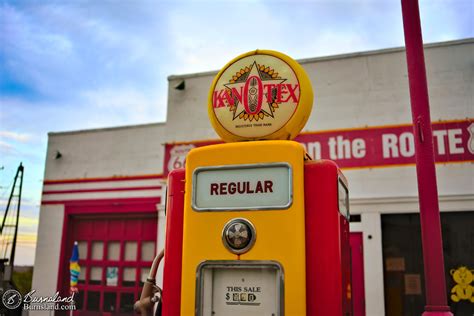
395 264
412 284
112 276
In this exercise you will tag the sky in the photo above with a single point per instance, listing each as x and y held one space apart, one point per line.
70 65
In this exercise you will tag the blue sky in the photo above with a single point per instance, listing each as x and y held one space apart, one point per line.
68 65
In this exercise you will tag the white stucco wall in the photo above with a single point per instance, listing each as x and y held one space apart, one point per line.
109 152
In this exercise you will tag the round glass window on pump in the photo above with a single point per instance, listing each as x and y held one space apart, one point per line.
238 235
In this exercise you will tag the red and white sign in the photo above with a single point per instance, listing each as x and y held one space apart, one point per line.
366 147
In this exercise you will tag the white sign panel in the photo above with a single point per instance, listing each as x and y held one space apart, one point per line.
242 187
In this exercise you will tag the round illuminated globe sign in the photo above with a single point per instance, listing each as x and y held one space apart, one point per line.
260 95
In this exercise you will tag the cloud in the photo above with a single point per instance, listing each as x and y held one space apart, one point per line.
206 37
24 240
27 230
230 29
124 106
58 59
24 202
19 137
127 98
6 148
314 28
27 239
28 221
445 20
332 42
32 51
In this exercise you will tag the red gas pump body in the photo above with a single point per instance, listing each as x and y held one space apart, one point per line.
171 296
328 267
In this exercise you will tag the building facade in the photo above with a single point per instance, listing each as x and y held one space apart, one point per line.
105 188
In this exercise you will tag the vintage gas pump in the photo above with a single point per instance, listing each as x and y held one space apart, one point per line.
254 226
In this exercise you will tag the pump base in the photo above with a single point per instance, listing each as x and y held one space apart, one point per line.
437 311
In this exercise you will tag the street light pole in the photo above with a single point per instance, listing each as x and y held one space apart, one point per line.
433 260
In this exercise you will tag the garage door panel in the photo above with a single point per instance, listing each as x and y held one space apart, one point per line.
115 253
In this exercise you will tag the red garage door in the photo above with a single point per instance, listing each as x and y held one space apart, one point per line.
115 254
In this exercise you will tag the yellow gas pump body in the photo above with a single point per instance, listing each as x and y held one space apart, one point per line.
280 232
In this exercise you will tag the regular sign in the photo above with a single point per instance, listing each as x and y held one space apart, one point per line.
242 187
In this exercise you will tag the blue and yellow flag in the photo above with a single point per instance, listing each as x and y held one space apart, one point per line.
74 267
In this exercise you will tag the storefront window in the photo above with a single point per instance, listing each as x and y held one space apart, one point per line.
403 262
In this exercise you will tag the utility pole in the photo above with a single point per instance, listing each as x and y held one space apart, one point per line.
433 259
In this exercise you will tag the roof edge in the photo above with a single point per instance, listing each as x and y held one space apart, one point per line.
106 129
339 56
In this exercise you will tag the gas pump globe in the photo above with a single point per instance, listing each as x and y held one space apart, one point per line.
254 226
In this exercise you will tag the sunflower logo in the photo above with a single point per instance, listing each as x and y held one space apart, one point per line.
256 98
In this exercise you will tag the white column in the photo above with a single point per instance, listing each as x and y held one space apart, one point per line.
160 241
373 264
48 249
